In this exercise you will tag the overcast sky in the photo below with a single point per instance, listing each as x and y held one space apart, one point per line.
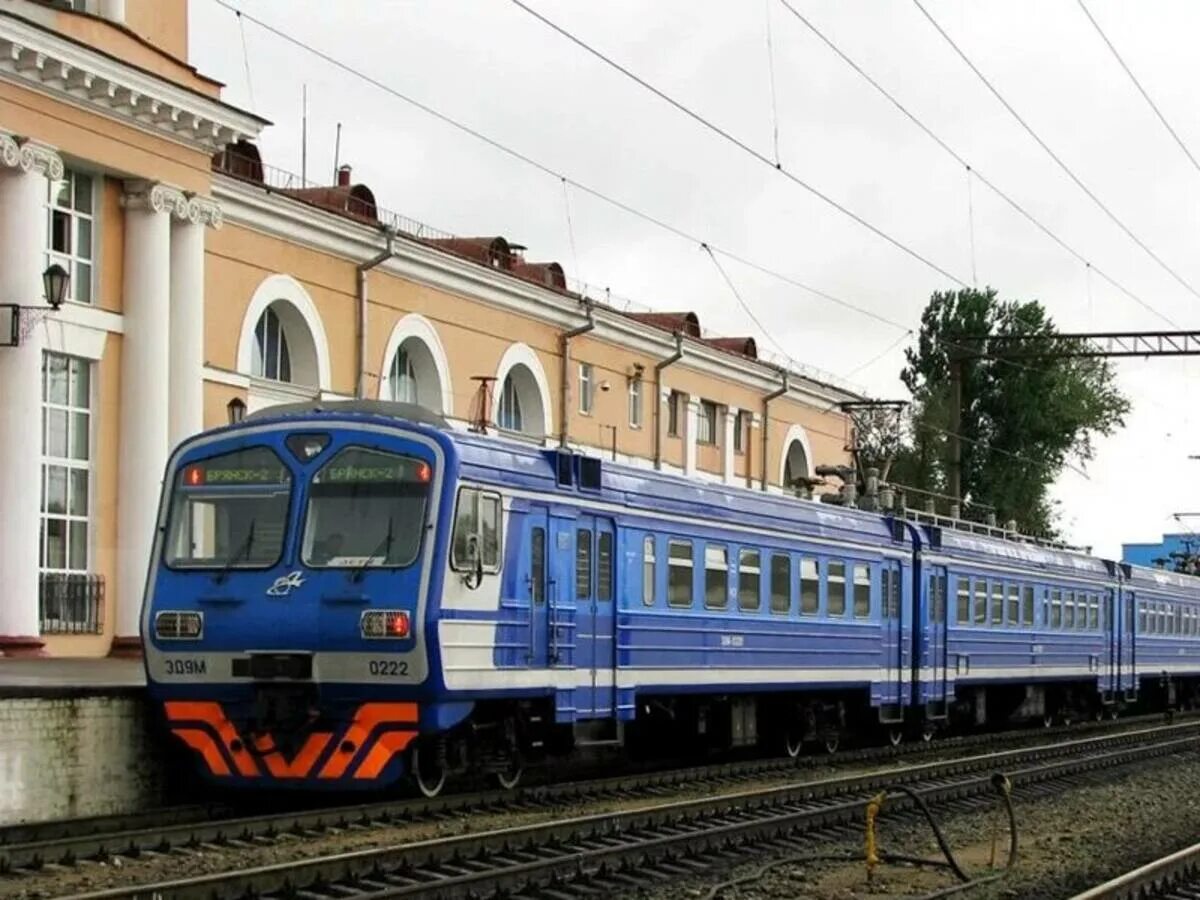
492 66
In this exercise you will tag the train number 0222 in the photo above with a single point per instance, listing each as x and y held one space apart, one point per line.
393 667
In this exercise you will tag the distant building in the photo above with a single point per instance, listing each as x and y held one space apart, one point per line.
1156 554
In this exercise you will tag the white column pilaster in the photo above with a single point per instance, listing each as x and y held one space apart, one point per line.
731 417
691 421
145 390
26 169
753 441
186 376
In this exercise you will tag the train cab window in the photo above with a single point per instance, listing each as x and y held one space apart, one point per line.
476 540
781 583
1056 608
810 587
997 603
679 573
537 565
981 602
749 580
604 566
229 511
1014 605
1027 604
649 570
366 509
583 564
716 576
835 587
862 591
963 612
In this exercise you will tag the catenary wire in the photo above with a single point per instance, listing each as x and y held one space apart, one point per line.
739 143
593 192
1054 156
979 176
1141 90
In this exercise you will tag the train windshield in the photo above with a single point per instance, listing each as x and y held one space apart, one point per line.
366 509
229 512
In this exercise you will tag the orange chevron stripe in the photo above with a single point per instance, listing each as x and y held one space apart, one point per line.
211 714
389 744
301 763
202 742
366 719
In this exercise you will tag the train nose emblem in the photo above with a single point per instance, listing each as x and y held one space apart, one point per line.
284 584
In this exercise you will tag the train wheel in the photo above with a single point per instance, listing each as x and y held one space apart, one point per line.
1047 721
895 736
509 778
831 744
1113 712
927 733
792 743
428 770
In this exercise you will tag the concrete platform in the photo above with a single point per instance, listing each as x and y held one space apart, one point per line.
64 677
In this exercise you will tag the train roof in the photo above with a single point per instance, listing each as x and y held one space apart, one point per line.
388 409
991 548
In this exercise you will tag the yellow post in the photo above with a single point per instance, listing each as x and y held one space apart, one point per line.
873 807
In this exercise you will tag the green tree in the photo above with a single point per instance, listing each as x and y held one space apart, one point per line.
1023 420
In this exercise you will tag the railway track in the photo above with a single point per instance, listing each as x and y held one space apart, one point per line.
613 850
66 842
1173 877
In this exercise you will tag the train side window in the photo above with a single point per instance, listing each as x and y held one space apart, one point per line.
810 587
716 576
781 583
604 566
1142 617
1027 604
1178 621
940 585
1056 610
1013 617
963 612
862 590
1069 610
1093 611
649 571
997 603
537 565
835 585
476 525
980 602
679 573
583 564
749 580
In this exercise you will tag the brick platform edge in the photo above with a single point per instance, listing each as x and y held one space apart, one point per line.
126 648
18 646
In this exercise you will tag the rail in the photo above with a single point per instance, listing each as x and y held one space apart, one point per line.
1162 878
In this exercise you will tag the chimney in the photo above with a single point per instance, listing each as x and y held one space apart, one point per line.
113 10
343 176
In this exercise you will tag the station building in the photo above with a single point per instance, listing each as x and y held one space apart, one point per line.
204 283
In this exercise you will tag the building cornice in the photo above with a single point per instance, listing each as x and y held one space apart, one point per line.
265 211
34 57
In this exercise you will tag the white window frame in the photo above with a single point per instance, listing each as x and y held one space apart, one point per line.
510 403
70 464
73 260
635 403
260 367
739 432
587 383
478 499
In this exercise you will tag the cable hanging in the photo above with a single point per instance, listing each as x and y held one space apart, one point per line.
570 227
957 157
971 229
1054 156
771 73
745 306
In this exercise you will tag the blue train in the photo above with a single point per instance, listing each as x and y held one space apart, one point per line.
345 594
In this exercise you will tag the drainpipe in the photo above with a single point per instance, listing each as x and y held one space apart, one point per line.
564 388
360 389
766 421
658 400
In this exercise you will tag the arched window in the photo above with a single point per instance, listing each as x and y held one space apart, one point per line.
508 415
272 358
795 464
402 378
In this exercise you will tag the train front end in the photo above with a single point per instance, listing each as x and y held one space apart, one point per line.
286 604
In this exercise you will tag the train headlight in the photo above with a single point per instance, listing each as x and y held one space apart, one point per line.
384 623
171 625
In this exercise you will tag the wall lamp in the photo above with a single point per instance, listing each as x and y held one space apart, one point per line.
16 321
236 409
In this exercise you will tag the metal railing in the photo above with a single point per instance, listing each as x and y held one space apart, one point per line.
71 603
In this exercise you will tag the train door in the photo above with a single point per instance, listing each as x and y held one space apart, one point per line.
1110 680
539 582
932 671
595 590
892 696
1127 645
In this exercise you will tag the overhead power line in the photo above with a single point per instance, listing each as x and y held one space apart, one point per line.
971 169
1054 156
1141 90
546 169
739 144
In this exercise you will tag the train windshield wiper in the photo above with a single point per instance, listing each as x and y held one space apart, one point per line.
384 546
243 550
